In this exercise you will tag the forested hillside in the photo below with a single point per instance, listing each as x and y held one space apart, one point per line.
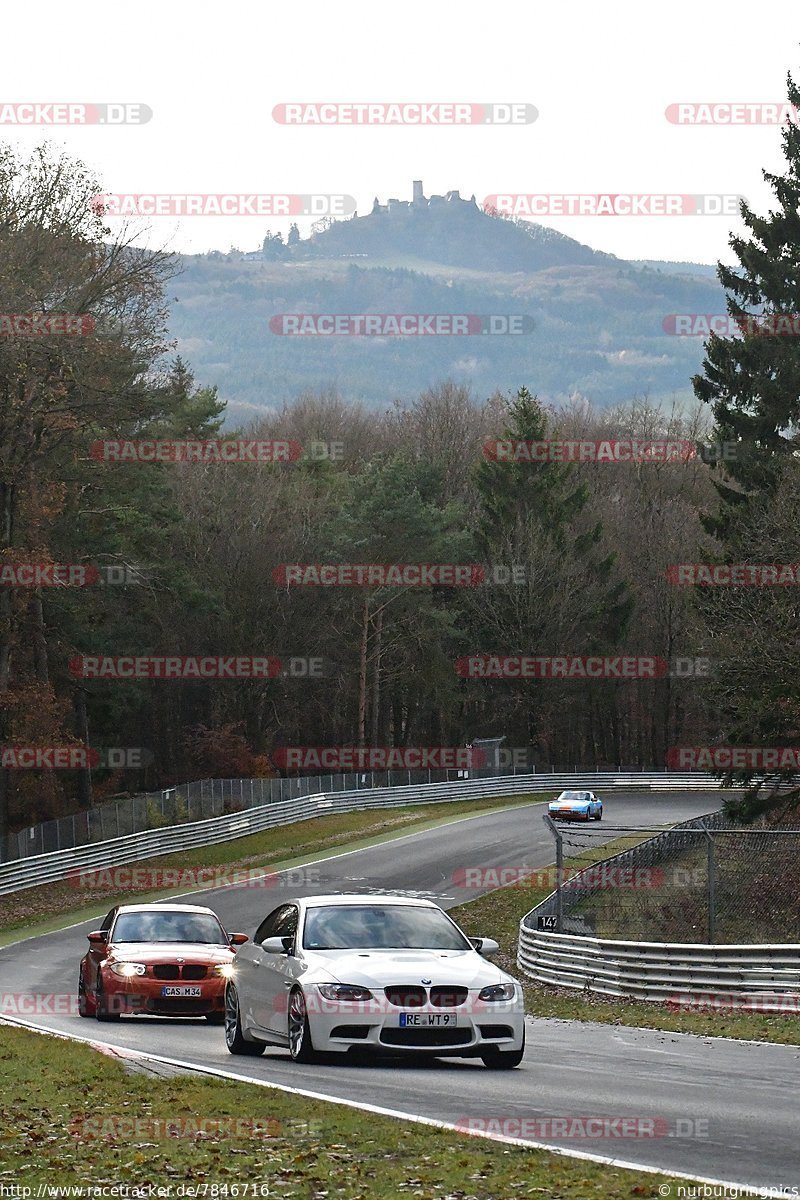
598 322
183 560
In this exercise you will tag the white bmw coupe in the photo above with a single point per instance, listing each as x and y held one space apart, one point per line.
380 973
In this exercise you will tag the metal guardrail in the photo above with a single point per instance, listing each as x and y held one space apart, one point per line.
201 799
60 864
660 970
680 972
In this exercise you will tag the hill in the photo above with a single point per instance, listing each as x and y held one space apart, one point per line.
597 321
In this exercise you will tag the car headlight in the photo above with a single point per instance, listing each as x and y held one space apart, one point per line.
344 991
127 969
225 969
497 991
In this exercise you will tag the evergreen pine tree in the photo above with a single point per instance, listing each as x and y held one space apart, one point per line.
752 381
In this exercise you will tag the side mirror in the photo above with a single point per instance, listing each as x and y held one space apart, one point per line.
276 945
238 939
97 938
485 946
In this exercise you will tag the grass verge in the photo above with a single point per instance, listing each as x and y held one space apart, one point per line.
49 907
58 1096
498 915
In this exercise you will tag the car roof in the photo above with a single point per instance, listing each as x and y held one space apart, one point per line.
162 908
364 898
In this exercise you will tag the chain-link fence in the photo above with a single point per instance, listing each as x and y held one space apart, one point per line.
205 798
705 881
210 798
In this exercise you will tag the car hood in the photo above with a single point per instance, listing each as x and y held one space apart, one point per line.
570 803
156 952
369 968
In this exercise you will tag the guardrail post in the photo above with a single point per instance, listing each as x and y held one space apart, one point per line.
712 888
556 832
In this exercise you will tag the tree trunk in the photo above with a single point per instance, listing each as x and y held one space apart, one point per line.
7 498
39 640
376 676
82 729
362 674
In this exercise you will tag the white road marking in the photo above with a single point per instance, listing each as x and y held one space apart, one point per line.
362 1106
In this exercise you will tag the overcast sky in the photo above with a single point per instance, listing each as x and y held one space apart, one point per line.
600 76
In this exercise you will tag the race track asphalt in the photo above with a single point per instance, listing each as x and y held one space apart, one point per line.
721 1109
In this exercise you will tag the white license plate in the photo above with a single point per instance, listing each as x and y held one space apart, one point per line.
425 1020
177 990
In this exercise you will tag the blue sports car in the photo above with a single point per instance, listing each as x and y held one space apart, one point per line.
576 806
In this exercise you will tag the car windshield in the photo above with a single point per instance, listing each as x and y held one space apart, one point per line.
169 927
573 796
380 927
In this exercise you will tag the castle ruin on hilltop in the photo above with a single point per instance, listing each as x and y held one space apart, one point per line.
420 200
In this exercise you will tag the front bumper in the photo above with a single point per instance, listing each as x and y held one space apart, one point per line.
466 1033
141 995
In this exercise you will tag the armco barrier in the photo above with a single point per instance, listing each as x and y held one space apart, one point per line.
201 799
45 868
659 970
683 972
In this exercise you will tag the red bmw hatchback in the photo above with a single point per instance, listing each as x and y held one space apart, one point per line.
168 960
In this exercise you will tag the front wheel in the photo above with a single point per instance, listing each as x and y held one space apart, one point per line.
599 814
301 1046
503 1060
101 1010
85 1008
234 1039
